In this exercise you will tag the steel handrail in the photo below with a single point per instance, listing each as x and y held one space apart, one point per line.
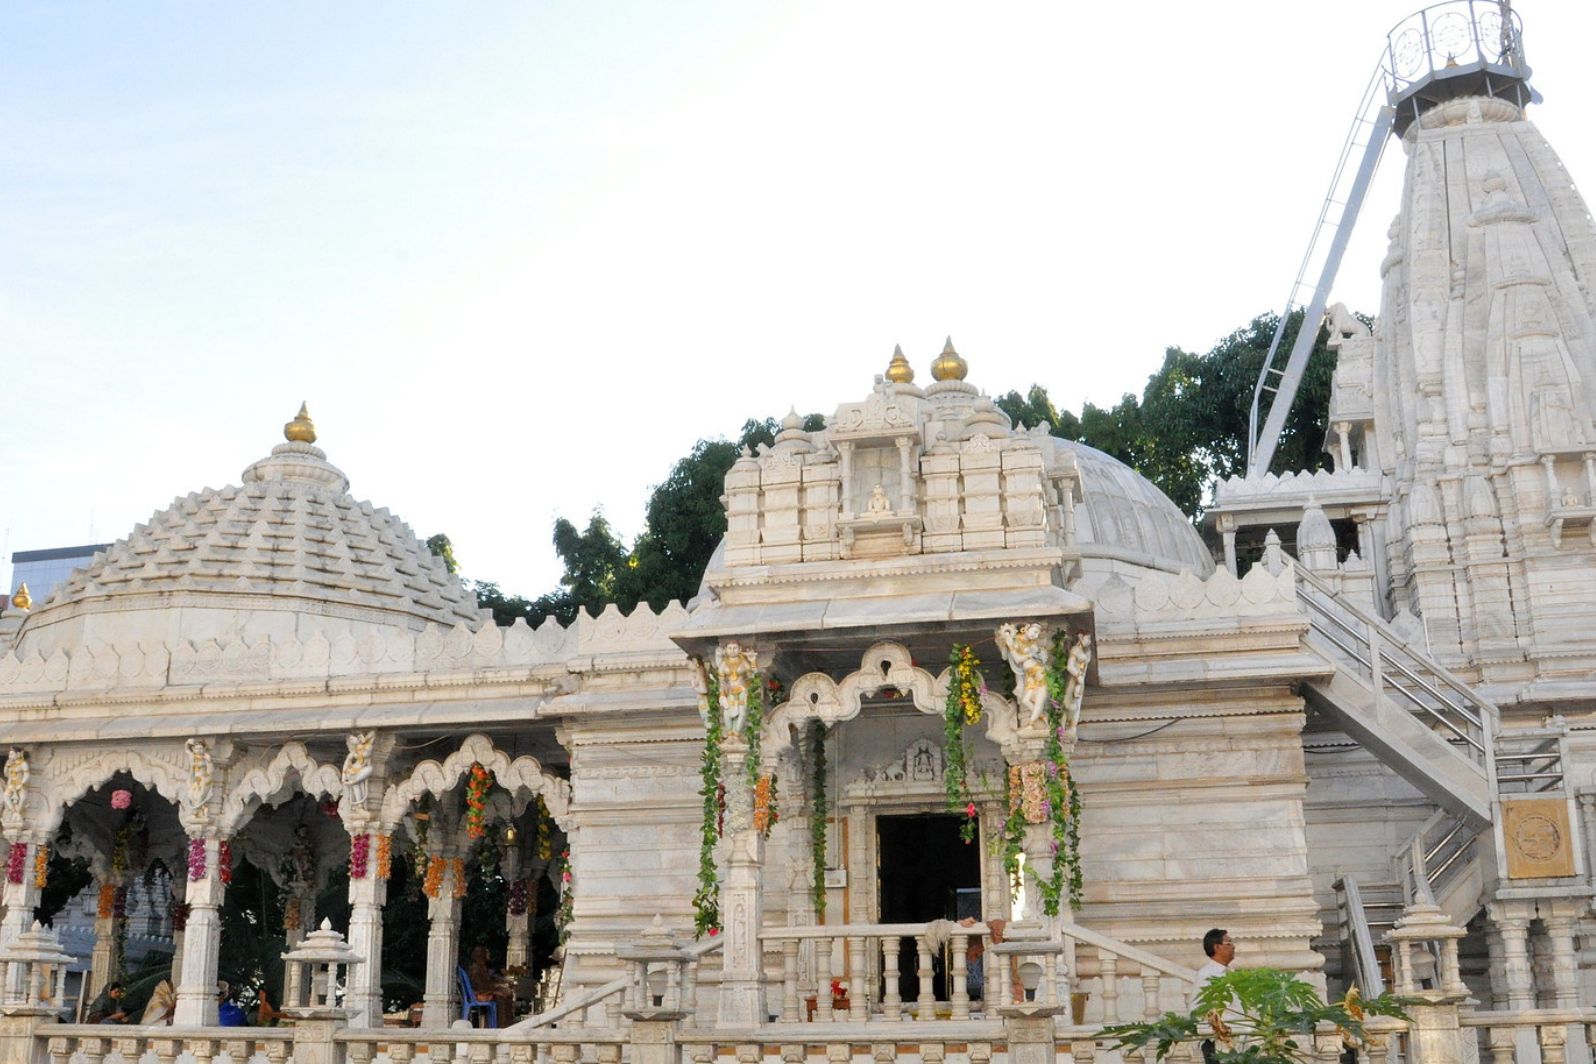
1363 955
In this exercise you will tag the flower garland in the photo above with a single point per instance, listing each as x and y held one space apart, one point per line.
107 901
359 854
179 911
459 883
567 910
119 850
963 708
543 844
432 886
477 788
384 856
753 727
41 866
291 915
706 901
817 815
119 904
121 799
518 896
765 812
17 862
224 861
196 860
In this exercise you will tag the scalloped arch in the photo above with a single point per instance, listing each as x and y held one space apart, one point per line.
290 764
165 775
437 778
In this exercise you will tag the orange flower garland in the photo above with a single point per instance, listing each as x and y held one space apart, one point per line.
477 801
765 814
384 856
107 906
434 881
459 878
41 866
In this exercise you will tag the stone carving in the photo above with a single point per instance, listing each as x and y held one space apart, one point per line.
201 774
357 766
1025 648
17 773
271 777
701 685
735 668
878 503
1343 323
437 778
1075 666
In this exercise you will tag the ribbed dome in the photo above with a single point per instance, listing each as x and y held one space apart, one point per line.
290 538
1125 517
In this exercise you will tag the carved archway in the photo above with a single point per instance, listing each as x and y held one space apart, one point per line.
288 769
884 666
67 777
439 777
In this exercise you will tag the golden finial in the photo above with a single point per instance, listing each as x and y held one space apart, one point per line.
301 429
949 365
898 370
22 600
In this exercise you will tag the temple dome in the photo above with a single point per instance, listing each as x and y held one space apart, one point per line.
255 559
1124 517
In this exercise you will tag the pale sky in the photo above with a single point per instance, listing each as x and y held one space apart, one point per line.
519 256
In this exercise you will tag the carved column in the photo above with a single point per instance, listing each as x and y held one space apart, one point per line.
363 994
202 937
1558 918
21 897
742 987
1512 924
443 947
103 960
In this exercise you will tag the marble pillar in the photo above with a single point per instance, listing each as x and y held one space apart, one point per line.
1558 918
21 897
742 986
102 961
363 993
202 938
443 953
1512 925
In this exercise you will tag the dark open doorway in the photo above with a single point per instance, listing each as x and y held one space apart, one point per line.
925 872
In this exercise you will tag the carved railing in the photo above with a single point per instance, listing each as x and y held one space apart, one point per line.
600 1006
85 1043
1533 1036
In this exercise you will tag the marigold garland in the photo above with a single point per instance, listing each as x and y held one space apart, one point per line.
107 901
459 883
384 856
432 886
765 812
963 708
817 816
477 787
544 844
41 866
706 901
291 915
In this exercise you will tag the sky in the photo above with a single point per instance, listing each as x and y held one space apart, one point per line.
518 257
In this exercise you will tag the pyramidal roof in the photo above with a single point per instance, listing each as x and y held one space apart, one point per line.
290 537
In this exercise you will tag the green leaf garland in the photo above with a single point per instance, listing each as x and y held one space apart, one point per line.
817 813
706 902
963 707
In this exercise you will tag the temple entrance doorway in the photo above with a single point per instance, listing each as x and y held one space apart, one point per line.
925 872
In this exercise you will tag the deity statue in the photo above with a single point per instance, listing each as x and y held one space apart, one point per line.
1075 667
357 765
17 773
302 858
879 503
1024 647
735 669
701 685
201 774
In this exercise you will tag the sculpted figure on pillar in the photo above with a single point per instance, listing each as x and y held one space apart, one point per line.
701 685
201 774
17 773
1024 647
357 766
735 668
1075 667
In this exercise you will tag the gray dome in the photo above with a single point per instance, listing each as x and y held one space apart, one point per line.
1124 517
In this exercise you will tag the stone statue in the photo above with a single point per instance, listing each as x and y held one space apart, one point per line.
201 774
17 773
701 685
1343 323
879 503
357 766
302 858
1075 667
1024 647
735 668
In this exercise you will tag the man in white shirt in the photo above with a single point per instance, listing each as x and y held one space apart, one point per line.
1221 951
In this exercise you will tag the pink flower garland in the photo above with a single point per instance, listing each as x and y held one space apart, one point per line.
518 898
17 862
224 861
121 799
359 853
196 860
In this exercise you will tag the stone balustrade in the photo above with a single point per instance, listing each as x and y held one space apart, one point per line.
1531 1036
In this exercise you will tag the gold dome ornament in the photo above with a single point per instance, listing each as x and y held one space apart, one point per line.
21 599
898 370
949 365
301 429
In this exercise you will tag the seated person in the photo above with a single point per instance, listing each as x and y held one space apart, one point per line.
489 985
162 1002
228 1012
975 957
107 1007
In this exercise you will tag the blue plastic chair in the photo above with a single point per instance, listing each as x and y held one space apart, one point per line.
470 1004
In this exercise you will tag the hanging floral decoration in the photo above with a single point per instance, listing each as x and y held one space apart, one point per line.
421 821
543 842
518 896
119 903
754 727
765 812
567 910
1041 793
179 911
119 850
359 855
121 799
17 862
224 861
106 907
196 860
963 708
291 915
706 901
459 881
817 815
432 886
477 787
329 808
41 866
384 856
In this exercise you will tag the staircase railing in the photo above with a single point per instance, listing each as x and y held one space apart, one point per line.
1354 918
1397 671
574 1010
